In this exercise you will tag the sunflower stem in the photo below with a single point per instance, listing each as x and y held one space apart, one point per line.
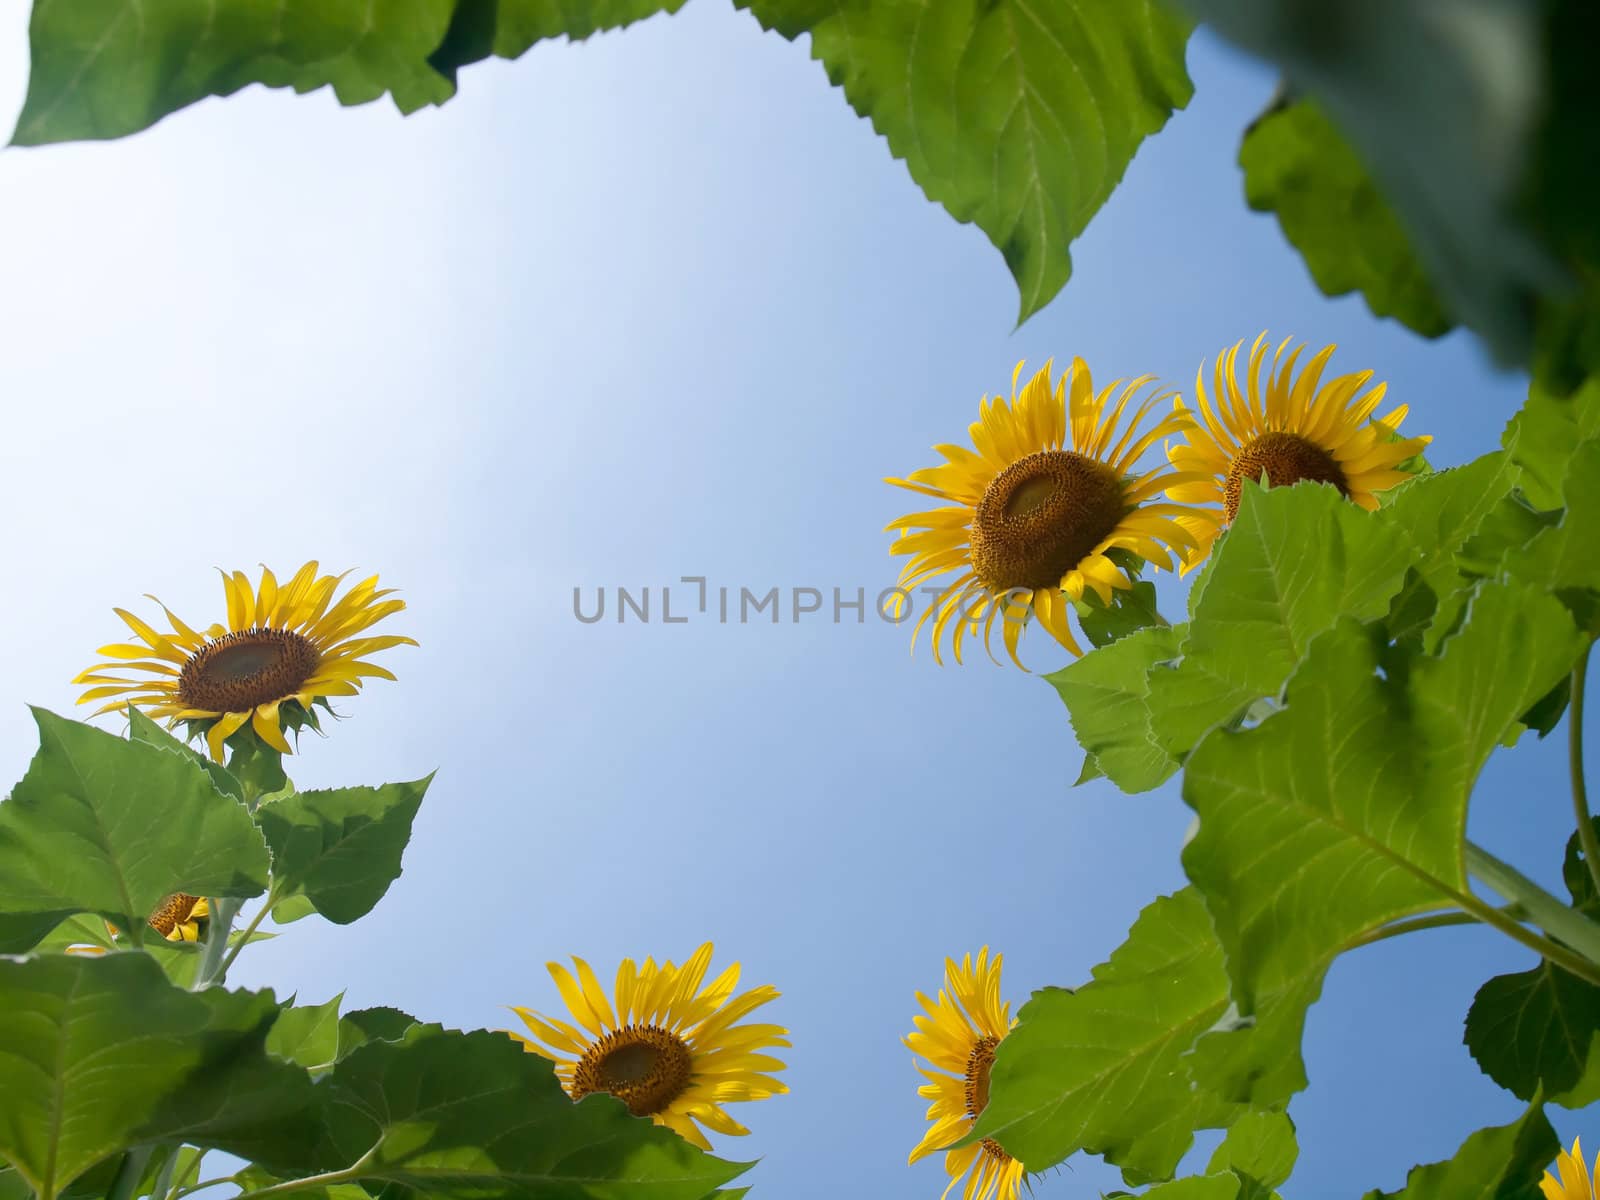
1579 949
223 913
1430 921
348 1174
1580 790
126 1180
163 1181
249 932
216 1181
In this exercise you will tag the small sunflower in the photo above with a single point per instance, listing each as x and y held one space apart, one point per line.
284 648
670 1049
1300 429
1049 507
958 1034
1575 1182
179 918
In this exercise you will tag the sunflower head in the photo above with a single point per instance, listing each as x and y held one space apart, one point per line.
1289 428
285 650
1575 1182
181 918
1049 505
958 1034
665 1043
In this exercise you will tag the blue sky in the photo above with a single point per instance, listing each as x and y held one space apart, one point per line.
661 305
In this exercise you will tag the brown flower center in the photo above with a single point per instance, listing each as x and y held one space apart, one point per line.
175 910
1284 458
979 1063
644 1066
1041 517
248 667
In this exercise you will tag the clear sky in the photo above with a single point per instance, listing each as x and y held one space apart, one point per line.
661 305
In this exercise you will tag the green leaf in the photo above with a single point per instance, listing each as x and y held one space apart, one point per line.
1441 511
448 1114
372 1024
1297 165
1448 132
1019 117
1261 1145
340 848
1502 1163
1130 610
1295 560
1535 1031
109 826
507 28
307 1034
1105 693
295 908
108 68
1542 436
1101 1068
1194 1187
142 729
101 1053
1348 809
1562 557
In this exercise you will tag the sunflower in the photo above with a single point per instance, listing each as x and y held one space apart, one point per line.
958 1034
285 648
1301 429
179 919
670 1049
1575 1183
1048 507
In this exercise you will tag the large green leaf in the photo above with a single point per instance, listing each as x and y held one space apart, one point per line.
1105 693
104 825
1540 1030
1019 117
1562 557
1543 435
447 1114
1295 560
1260 1145
100 1053
1347 810
507 28
108 68
1101 1068
340 848
1454 135
1297 165
1502 1163
307 1034
1535 1032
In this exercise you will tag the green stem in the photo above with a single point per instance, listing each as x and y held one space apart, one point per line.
191 1172
126 1181
1544 910
349 1174
203 1185
1430 921
163 1183
1580 791
223 914
244 938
